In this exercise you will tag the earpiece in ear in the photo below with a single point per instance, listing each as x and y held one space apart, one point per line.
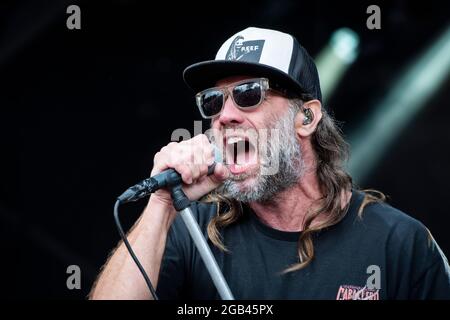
309 116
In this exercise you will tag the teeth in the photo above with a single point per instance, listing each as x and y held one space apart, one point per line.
232 140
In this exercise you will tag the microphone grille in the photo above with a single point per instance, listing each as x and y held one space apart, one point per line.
217 154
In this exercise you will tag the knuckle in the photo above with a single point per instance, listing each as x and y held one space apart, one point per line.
203 169
204 137
209 150
201 138
197 150
180 168
158 158
164 149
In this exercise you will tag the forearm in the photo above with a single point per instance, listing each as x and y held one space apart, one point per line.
121 278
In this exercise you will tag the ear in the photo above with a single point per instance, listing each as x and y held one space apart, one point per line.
306 128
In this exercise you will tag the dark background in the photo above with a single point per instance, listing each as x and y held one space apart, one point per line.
84 111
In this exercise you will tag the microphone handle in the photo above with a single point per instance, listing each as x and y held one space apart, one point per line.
161 180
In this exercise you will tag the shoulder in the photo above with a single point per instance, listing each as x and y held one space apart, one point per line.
383 217
400 232
417 266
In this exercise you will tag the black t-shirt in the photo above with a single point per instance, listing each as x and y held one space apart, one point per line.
384 255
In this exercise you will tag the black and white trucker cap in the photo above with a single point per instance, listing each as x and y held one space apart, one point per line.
263 53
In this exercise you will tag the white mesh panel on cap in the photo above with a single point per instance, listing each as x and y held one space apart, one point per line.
277 49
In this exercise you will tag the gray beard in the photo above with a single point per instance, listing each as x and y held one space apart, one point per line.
265 187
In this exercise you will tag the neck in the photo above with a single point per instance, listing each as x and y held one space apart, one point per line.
288 211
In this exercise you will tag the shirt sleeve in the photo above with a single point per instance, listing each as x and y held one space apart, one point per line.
417 267
434 281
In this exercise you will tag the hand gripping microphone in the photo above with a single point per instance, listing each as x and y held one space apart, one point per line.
167 178
172 180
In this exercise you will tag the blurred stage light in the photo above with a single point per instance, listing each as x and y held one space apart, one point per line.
335 59
408 95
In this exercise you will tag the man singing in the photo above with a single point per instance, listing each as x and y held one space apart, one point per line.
286 223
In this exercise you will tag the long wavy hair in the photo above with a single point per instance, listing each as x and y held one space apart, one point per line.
331 151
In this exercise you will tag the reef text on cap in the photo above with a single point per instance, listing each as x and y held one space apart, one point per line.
263 53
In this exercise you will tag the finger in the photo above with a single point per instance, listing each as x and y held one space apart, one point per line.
195 171
221 173
208 155
160 163
197 155
185 171
203 170
202 139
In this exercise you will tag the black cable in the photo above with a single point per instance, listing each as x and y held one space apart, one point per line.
130 250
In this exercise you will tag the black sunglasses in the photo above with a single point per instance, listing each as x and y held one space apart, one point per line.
246 94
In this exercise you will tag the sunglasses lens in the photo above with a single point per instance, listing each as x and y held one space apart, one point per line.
247 94
211 103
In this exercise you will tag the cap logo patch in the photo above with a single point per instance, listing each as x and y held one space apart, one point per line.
245 50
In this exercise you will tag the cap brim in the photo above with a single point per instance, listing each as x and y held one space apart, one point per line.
203 75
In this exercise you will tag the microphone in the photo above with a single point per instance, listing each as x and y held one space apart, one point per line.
166 178
171 178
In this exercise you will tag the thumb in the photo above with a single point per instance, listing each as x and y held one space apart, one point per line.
220 174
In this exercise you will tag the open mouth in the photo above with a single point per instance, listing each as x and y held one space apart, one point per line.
241 154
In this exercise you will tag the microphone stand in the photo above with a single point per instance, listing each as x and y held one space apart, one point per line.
182 205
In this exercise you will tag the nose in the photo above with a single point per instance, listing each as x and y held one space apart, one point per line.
230 113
